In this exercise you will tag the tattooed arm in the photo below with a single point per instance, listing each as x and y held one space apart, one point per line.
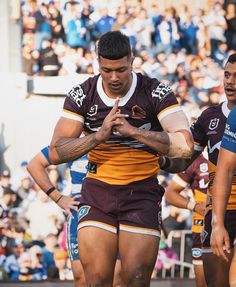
175 141
67 145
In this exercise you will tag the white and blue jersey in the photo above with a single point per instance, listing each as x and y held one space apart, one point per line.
229 137
78 171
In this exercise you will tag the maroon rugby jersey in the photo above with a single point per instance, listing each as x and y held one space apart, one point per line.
122 160
208 131
196 176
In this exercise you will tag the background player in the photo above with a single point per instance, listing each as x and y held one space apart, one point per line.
223 186
37 167
196 177
78 169
207 132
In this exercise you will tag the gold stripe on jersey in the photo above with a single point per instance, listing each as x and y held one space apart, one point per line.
72 116
169 110
122 165
232 199
199 197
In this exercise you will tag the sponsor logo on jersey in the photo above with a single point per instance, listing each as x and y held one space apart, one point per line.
92 167
198 222
93 111
204 167
196 252
77 95
161 92
83 210
214 124
229 132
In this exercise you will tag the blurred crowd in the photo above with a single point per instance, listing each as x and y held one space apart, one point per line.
183 48
32 228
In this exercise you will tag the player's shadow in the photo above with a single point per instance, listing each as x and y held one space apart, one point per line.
3 148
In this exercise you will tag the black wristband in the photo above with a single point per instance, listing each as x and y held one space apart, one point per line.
48 192
166 163
56 201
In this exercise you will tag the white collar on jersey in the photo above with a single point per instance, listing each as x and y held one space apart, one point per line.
109 101
225 109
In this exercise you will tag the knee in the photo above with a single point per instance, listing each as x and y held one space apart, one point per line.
138 276
79 281
94 278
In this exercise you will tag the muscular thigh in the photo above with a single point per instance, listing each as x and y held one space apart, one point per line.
97 248
137 250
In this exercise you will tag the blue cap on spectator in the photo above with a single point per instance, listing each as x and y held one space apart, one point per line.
24 163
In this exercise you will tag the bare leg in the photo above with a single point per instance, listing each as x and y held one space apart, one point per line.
138 256
117 275
232 273
78 273
98 251
216 270
199 276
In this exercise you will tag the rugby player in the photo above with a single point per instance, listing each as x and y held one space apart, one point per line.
207 132
223 188
128 119
196 177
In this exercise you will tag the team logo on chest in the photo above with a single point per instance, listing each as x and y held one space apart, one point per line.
204 167
138 113
93 111
214 123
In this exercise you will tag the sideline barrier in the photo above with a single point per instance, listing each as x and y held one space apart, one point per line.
54 86
182 263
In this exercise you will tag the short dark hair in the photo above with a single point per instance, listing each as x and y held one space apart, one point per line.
114 45
231 59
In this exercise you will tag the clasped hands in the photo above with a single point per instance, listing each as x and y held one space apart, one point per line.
115 121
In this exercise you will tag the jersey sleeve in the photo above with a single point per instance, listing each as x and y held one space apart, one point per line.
75 103
229 137
186 177
45 152
199 135
164 100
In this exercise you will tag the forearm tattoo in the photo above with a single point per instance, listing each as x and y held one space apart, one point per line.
70 149
158 141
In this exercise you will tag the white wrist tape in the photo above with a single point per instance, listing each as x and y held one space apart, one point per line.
191 205
178 146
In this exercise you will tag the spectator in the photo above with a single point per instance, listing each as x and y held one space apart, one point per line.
48 260
230 32
4 180
74 25
61 260
50 214
216 24
48 61
43 26
11 264
105 23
